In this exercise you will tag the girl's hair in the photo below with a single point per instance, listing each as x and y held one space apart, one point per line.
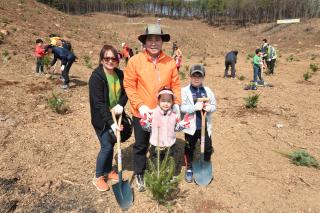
105 48
163 89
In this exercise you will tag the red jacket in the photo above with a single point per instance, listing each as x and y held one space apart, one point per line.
39 52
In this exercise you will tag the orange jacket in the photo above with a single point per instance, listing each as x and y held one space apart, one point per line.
143 79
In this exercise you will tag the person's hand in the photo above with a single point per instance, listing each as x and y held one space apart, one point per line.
118 109
207 107
198 106
115 127
269 59
62 68
145 111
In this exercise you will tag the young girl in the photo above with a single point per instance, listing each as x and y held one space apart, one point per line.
163 123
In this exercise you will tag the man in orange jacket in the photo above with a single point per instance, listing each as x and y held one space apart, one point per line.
146 73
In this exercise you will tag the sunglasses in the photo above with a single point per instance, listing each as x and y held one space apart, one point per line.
113 59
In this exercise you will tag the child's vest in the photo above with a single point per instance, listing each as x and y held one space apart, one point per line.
165 125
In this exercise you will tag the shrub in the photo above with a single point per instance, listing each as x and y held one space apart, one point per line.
252 101
58 104
314 67
290 58
241 77
46 61
307 76
159 178
87 61
301 158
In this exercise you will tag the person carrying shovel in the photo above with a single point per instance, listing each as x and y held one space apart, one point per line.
197 100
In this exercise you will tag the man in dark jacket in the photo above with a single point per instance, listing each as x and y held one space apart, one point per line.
67 58
231 60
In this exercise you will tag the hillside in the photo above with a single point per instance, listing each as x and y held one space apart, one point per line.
47 160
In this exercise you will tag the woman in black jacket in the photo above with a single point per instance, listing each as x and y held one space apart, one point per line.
106 93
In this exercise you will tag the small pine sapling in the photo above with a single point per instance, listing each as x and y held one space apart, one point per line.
252 101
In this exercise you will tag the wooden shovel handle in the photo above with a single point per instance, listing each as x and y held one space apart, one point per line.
118 139
203 99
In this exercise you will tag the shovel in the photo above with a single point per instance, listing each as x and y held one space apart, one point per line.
202 169
122 189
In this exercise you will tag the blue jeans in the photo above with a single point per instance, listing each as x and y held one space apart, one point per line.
105 156
256 74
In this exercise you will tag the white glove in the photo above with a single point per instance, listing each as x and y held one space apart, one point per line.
269 59
118 109
198 106
176 109
144 110
207 107
62 68
114 128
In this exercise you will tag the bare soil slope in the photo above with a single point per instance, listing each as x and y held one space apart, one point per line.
47 160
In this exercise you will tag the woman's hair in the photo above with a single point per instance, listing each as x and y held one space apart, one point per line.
105 48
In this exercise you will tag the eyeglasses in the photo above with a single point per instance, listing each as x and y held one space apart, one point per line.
113 59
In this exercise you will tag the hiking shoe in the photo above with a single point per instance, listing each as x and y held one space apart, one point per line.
65 86
140 183
101 184
113 176
188 176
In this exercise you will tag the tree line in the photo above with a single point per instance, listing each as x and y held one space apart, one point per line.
215 12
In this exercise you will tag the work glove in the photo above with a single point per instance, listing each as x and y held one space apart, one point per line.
198 106
207 107
184 124
146 123
118 109
62 68
145 111
114 128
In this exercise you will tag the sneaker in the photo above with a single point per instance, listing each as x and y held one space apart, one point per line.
101 184
62 79
140 183
113 176
233 78
188 176
65 86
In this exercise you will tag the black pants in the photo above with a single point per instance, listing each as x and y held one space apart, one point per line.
190 146
271 65
68 63
140 147
233 68
39 66
153 153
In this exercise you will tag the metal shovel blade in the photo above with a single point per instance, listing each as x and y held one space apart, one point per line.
123 193
202 171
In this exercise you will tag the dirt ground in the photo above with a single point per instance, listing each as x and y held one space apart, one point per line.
47 160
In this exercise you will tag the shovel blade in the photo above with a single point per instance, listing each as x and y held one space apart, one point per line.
202 171
123 193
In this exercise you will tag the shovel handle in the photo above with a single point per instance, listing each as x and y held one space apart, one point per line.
118 139
203 99
203 131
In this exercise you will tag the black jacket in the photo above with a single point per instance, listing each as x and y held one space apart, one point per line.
101 117
63 54
231 57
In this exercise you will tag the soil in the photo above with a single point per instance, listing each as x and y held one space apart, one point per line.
47 160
